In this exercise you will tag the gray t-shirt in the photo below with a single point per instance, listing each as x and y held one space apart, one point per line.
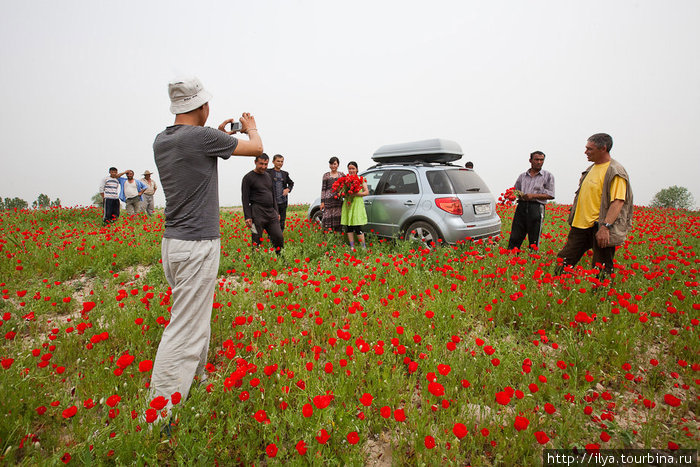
186 157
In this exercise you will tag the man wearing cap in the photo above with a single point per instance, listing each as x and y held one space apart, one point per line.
147 204
186 155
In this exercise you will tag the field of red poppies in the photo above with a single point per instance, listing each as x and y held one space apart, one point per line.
457 355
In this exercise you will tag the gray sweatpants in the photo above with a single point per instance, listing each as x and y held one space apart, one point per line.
191 268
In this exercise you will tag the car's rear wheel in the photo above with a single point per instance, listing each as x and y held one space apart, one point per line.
424 233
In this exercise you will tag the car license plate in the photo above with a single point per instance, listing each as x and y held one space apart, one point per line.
480 209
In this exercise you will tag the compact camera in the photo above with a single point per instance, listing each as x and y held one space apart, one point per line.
235 127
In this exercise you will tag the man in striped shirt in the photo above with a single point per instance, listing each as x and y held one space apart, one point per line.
535 187
109 189
186 155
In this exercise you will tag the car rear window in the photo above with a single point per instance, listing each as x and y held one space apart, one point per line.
455 181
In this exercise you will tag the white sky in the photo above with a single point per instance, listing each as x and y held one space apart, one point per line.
84 86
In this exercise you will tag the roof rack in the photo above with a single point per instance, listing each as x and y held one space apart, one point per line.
434 150
415 163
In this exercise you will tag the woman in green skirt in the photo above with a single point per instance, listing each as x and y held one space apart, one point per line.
353 215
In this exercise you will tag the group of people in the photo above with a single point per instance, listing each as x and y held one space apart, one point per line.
137 195
187 153
341 214
600 216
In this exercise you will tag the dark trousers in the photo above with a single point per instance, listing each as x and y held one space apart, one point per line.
111 210
527 220
579 242
267 219
282 209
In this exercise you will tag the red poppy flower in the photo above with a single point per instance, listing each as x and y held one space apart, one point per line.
399 415
301 447
321 402
70 412
353 437
151 415
125 360
323 436
260 416
541 437
436 389
672 400
385 411
502 398
175 398
145 365
271 450
429 442
521 423
159 402
366 399
460 430
307 410
113 400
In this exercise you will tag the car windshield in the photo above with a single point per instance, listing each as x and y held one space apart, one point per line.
455 181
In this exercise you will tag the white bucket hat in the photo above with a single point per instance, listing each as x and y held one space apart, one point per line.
186 95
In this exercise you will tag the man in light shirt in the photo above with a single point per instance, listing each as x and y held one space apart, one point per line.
131 192
148 204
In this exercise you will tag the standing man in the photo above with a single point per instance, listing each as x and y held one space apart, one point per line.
131 192
186 155
148 204
259 206
601 214
535 186
282 185
109 189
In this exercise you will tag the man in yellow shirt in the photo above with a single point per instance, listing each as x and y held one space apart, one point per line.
601 214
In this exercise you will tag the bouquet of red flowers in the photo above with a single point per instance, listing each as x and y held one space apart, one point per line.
509 197
348 185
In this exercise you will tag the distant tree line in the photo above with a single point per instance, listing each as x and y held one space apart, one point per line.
676 197
41 202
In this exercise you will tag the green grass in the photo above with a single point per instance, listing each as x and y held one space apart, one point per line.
320 320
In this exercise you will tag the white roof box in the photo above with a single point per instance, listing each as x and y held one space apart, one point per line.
430 150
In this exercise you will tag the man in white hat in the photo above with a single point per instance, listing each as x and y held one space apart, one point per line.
186 155
147 204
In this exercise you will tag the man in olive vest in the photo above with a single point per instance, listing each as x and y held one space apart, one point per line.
601 215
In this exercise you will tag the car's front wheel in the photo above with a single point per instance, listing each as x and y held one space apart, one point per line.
422 232
317 217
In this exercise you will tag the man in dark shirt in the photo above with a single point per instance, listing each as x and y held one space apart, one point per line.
259 204
282 185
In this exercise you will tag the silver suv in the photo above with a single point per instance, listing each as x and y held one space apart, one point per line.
416 193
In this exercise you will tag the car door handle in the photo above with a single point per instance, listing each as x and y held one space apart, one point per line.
409 203
368 203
